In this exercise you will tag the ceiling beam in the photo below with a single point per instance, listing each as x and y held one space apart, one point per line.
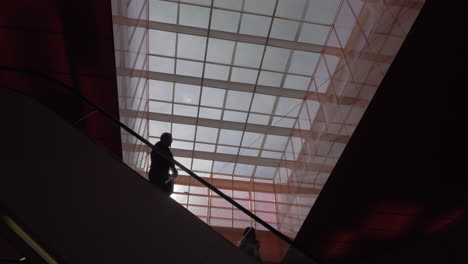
244 87
268 162
254 128
278 43
248 186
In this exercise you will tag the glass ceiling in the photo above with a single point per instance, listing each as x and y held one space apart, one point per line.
229 80
261 96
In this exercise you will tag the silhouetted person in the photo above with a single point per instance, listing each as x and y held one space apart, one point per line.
159 171
249 243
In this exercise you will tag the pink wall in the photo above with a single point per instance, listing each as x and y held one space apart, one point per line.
364 40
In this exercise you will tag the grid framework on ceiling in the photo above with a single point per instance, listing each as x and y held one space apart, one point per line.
228 79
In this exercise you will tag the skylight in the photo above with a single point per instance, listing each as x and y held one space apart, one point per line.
264 94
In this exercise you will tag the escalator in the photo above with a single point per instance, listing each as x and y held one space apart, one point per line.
87 206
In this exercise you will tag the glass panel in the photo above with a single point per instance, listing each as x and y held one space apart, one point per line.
244 75
160 90
163 11
189 68
274 142
201 2
194 16
262 196
217 72
181 188
212 97
265 7
159 107
199 190
323 87
263 103
225 20
187 162
284 29
162 42
220 50
259 119
244 170
288 107
238 100
220 222
271 154
239 215
160 64
248 55
255 25
252 140
243 195
227 150
223 167
210 113
221 213
229 4
204 147
180 131
235 116
312 107
290 8
297 144
304 121
191 47
198 210
322 11
283 122
185 110
176 144
230 137
265 172
198 200
202 165
314 34
270 78
297 82
207 134
186 93
304 62
224 177
265 206
275 59
268 217
156 128
249 152
180 198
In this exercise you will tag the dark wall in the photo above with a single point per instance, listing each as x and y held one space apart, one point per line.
71 41
394 194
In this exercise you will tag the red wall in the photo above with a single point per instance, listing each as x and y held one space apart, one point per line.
68 40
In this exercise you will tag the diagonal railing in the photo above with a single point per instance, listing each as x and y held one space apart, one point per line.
146 142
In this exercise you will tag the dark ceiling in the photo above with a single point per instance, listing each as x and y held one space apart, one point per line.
394 196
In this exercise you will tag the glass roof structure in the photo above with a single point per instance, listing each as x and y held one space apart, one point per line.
261 96
228 79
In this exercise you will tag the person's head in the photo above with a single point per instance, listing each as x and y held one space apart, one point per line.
166 139
249 233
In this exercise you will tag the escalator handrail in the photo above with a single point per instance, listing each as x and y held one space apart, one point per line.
142 139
